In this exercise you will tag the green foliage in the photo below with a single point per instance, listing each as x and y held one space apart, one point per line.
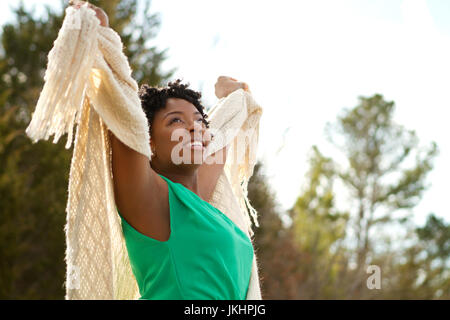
34 177
421 269
436 235
319 230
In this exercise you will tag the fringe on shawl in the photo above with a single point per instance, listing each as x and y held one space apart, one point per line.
240 167
248 167
61 100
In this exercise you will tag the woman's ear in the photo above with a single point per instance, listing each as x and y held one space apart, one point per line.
152 148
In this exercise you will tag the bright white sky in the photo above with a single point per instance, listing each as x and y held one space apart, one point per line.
306 60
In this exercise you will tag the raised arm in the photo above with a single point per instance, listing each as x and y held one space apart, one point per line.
235 119
210 171
140 193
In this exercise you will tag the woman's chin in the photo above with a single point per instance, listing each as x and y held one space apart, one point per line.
197 156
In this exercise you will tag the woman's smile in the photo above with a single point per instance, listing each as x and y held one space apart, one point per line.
195 145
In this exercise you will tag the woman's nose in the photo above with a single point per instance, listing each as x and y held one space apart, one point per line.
196 131
195 126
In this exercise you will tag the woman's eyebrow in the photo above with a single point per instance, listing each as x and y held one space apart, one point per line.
196 112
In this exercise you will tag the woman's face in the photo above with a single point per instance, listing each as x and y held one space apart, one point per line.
179 136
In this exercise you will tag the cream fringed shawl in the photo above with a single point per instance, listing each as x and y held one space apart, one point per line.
88 83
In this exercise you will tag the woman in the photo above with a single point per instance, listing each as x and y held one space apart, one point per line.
180 246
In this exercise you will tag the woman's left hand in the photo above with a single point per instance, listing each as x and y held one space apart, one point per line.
226 85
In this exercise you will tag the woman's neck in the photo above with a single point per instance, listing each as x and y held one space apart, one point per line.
188 179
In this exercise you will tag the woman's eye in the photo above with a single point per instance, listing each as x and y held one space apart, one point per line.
173 120
178 119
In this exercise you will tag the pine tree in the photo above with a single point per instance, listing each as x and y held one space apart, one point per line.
381 173
385 172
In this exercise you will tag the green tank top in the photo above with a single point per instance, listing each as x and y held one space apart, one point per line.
207 256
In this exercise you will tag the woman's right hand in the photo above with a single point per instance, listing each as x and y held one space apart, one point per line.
100 14
226 85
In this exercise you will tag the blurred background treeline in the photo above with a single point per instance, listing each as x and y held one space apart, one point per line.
353 212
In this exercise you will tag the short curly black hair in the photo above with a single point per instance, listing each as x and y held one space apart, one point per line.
155 98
